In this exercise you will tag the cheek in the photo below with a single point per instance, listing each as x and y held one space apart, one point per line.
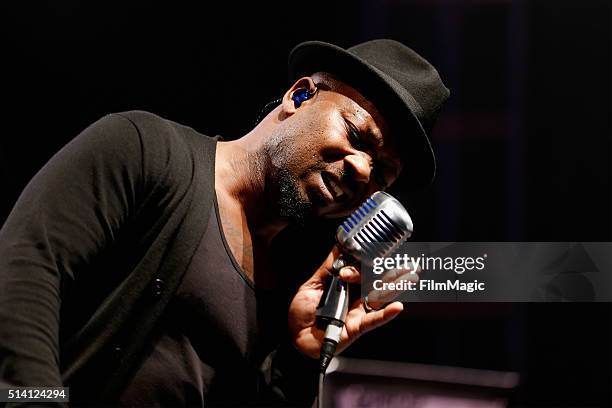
316 136
326 139
318 129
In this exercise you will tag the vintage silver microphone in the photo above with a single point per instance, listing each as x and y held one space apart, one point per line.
376 229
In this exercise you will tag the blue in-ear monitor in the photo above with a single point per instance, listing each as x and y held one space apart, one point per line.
301 95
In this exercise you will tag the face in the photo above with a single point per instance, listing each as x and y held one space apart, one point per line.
331 153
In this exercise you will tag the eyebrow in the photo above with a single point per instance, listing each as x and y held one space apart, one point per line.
376 136
383 162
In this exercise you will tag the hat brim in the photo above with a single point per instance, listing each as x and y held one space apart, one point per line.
393 101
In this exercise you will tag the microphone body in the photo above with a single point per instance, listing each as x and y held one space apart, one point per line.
376 229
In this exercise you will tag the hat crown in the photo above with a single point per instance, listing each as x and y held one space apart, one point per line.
412 72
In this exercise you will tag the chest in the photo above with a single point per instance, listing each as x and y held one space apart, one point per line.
249 252
220 307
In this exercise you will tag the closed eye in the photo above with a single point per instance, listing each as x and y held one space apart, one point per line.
357 142
355 137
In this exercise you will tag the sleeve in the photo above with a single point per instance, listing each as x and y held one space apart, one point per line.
71 209
289 378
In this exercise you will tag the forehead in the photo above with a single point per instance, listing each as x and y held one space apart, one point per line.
356 103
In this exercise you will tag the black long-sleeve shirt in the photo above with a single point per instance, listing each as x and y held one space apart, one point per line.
94 251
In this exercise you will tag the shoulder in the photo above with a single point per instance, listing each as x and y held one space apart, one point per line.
171 152
143 121
160 132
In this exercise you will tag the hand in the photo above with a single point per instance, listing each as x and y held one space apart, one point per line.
305 334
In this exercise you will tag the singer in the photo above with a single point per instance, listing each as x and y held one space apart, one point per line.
134 266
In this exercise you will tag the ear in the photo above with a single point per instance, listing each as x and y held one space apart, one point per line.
288 105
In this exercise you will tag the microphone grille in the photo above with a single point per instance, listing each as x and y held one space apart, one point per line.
359 214
376 229
379 235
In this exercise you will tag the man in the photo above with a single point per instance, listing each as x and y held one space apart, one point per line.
135 268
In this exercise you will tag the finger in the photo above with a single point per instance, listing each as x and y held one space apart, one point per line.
372 320
350 274
399 274
377 299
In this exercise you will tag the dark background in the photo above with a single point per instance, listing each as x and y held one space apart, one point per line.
523 143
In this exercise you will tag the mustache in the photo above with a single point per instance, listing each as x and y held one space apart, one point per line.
346 176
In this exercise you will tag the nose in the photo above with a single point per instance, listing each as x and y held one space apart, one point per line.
361 165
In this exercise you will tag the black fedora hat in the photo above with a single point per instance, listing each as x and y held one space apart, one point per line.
403 86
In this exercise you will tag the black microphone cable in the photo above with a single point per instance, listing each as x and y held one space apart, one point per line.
320 390
328 349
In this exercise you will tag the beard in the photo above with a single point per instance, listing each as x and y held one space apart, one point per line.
291 204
